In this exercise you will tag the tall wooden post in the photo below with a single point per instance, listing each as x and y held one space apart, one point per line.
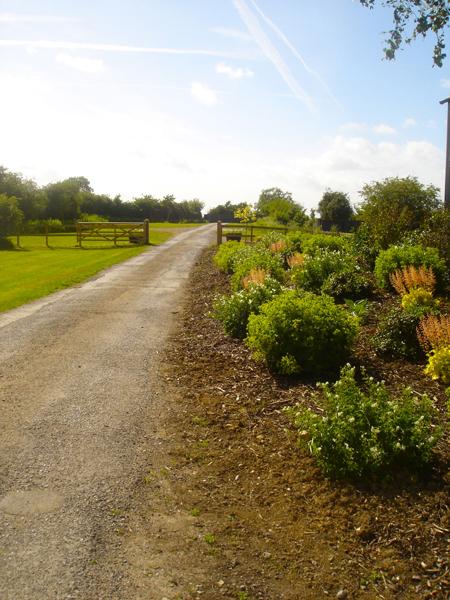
146 232
447 158
46 235
219 232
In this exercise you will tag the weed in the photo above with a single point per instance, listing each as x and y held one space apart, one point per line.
200 421
195 512
210 539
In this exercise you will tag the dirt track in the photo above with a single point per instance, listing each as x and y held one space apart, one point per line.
80 401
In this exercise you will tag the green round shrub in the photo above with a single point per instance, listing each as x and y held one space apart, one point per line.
300 332
225 255
234 311
396 335
396 257
256 257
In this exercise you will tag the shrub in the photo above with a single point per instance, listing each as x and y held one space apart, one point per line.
301 333
365 431
255 257
398 257
434 332
419 300
224 257
234 311
407 279
438 366
396 335
313 243
337 274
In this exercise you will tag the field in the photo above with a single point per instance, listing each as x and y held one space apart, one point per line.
34 271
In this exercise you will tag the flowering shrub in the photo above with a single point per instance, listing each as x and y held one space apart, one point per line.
233 311
438 366
409 278
364 431
301 333
419 300
319 241
225 256
398 257
337 274
396 335
255 257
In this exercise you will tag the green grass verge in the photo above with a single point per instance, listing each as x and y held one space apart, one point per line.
34 271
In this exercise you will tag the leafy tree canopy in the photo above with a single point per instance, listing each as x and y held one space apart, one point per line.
336 207
279 205
413 18
10 215
393 207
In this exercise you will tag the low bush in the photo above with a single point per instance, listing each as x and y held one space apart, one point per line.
396 335
337 274
313 243
299 332
364 431
438 366
6 244
433 333
398 257
419 301
234 311
225 255
256 257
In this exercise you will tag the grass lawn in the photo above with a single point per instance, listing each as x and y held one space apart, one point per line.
34 271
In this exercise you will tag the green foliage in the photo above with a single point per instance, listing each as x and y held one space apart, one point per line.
301 333
365 432
397 257
423 17
419 300
435 234
396 335
337 274
438 366
10 215
223 212
358 308
392 208
225 256
234 311
256 257
336 207
245 214
280 206
319 241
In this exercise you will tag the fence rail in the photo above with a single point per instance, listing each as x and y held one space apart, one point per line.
134 232
247 231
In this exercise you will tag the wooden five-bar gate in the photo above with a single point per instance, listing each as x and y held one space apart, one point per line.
133 233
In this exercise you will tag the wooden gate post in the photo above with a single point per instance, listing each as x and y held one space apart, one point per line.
219 232
146 232
46 235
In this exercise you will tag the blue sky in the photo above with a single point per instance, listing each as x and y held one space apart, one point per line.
216 99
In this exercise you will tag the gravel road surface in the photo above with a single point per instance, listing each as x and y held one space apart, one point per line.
80 400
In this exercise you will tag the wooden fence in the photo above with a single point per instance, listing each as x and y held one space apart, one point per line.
134 233
243 231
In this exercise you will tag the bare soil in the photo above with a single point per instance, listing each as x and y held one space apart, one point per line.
260 521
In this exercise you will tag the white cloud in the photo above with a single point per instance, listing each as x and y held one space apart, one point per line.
409 122
85 65
63 45
445 83
233 72
354 126
384 129
203 94
22 18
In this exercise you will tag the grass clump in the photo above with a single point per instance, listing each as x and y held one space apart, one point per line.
300 332
365 432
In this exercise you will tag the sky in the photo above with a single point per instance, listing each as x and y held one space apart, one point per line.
216 99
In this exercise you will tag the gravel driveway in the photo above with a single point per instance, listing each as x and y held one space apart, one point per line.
80 399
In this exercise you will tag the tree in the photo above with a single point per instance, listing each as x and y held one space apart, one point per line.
336 207
30 198
275 203
223 212
10 215
66 197
421 17
393 207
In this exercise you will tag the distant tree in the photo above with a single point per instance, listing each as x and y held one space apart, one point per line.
421 17
10 215
30 198
223 212
270 195
335 206
392 208
66 197
280 205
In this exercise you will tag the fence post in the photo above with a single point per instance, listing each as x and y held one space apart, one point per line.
219 232
46 235
18 237
146 232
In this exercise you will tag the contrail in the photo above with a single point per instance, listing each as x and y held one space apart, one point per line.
295 52
272 53
113 48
